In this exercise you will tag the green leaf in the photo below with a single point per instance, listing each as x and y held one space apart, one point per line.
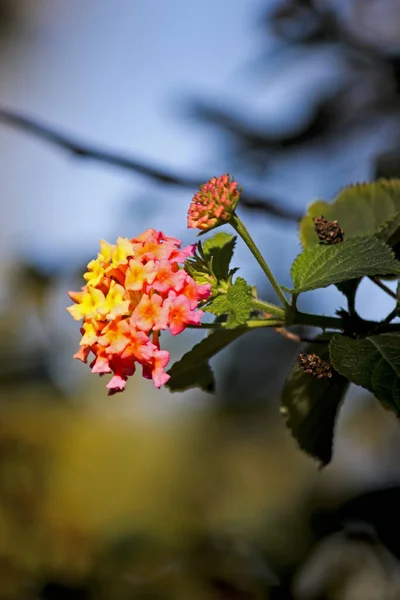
220 249
218 306
240 300
210 264
237 303
321 265
192 370
198 271
359 209
197 376
390 234
310 406
373 363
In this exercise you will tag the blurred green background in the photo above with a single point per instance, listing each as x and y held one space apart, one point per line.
177 496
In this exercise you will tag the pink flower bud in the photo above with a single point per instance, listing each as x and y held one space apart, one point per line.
214 204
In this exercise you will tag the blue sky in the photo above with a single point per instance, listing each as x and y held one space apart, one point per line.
115 72
110 72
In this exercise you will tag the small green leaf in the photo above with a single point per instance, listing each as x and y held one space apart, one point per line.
359 209
237 304
390 234
218 306
322 265
372 363
220 248
198 271
240 301
310 405
192 370
210 264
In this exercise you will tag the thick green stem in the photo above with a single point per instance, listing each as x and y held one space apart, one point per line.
300 318
251 324
246 237
267 307
386 328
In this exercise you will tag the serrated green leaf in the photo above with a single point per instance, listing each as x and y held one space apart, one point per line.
192 369
372 363
220 248
210 264
322 265
232 273
218 306
310 406
359 209
390 234
240 301
197 271
237 304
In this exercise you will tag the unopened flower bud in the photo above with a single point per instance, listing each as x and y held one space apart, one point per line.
213 204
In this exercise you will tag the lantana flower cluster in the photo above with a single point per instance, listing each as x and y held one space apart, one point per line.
214 203
135 289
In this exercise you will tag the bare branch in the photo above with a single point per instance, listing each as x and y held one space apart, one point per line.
159 175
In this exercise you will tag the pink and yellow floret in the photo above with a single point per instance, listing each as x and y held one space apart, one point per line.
135 289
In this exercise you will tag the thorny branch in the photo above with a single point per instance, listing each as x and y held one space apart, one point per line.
160 175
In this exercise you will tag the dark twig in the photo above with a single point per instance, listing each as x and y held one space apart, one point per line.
383 287
82 150
392 315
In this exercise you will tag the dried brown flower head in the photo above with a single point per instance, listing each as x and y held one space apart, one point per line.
329 232
313 365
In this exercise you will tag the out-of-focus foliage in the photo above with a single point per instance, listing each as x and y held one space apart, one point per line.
310 406
153 507
358 40
146 504
9 10
361 209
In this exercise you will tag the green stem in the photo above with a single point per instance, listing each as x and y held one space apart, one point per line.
246 237
269 308
387 328
300 318
251 324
